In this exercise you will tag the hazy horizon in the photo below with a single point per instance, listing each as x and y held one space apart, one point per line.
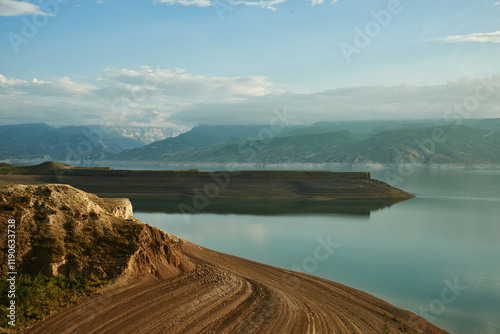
184 63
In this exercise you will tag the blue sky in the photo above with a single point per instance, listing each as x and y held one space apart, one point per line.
234 62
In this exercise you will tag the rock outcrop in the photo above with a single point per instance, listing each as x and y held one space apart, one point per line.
61 230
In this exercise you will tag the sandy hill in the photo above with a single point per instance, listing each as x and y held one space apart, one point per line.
163 284
65 231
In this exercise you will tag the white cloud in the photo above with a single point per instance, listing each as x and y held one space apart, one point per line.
19 8
271 4
319 2
197 3
9 82
60 87
355 103
266 4
142 96
496 3
183 86
160 97
490 37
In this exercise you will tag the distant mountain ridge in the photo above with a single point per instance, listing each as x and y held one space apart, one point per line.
473 142
192 144
148 134
73 143
41 141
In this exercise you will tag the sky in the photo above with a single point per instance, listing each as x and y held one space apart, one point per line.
178 63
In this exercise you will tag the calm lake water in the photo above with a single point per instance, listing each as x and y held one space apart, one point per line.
408 254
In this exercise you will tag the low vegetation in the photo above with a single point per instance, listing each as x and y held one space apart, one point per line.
38 296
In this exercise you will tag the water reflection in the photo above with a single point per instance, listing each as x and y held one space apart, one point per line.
261 207
401 255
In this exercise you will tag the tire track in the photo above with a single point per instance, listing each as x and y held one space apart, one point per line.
226 294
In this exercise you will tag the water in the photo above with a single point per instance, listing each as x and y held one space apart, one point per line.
407 254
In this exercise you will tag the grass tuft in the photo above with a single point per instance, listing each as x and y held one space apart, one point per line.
38 296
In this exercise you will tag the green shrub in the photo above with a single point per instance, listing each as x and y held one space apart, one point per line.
38 296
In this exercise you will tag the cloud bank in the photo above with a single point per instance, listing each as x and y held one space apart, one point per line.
265 4
19 8
450 100
162 97
490 37
197 3
142 96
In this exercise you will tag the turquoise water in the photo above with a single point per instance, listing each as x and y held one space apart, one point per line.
408 254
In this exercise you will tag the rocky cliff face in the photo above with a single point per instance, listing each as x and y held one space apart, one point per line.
149 134
64 231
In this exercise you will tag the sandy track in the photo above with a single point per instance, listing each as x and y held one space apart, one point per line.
227 294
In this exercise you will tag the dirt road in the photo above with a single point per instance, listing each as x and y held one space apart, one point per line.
227 294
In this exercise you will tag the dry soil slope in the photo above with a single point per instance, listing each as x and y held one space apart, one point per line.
61 230
168 285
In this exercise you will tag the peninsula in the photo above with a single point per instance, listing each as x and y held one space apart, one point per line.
191 183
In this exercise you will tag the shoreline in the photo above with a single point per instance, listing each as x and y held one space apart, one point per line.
191 183
229 294
167 284
299 189
214 166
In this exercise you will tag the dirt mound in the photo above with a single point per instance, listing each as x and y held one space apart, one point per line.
61 230
6 168
53 164
50 165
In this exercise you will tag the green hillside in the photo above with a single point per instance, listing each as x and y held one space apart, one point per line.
326 142
447 144
476 141
191 144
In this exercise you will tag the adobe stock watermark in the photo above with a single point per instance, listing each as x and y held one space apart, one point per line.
321 253
81 153
11 272
437 306
472 102
31 26
222 7
456 114
309 265
249 148
372 29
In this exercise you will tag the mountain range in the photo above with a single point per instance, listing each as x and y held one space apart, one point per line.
469 142
41 141
473 142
